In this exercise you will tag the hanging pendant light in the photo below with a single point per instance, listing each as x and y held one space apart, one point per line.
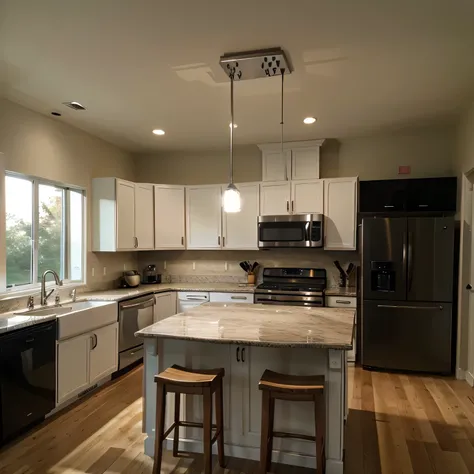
231 199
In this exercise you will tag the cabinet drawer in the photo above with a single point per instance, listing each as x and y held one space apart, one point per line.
341 301
231 298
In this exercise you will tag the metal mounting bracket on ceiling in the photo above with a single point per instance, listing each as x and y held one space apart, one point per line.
254 64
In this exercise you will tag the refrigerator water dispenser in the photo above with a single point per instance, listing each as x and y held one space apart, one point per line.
383 276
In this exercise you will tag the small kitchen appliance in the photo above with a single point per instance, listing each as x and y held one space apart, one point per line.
150 275
130 279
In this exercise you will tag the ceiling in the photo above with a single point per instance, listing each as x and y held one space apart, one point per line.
138 65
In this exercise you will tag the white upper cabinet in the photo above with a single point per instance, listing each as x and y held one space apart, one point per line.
169 217
307 197
275 165
275 198
299 160
203 217
240 228
305 163
340 213
122 215
144 228
125 215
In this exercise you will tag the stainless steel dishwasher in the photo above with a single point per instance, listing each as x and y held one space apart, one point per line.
134 314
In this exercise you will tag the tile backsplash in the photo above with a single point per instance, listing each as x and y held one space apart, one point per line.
223 266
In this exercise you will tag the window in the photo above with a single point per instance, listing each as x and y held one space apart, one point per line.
44 230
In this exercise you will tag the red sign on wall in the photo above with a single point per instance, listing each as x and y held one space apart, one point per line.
404 169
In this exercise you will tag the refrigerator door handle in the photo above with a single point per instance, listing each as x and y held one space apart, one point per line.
394 306
410 260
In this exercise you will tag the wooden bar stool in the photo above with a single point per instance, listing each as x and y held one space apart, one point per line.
180 380
276 386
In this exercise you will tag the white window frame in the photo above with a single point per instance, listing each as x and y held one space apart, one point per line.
66 257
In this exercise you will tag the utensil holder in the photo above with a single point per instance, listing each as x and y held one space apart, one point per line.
250 278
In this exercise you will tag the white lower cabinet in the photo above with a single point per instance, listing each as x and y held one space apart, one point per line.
165 305
345 302
104 352
84 360
73 367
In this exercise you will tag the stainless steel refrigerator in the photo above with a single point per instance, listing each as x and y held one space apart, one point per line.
407 292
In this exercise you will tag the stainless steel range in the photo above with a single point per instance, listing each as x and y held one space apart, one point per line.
292 286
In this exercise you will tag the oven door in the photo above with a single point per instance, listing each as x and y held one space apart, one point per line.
284 231
289 300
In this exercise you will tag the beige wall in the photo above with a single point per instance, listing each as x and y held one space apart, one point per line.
429 150
201 167
39 146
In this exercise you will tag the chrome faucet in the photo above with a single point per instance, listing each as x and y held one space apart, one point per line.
44 296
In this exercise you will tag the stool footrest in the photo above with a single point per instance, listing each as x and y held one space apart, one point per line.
282 434
189 424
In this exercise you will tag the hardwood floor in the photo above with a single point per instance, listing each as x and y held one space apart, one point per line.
397 424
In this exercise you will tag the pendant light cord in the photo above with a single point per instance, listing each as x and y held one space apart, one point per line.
282 122
231 172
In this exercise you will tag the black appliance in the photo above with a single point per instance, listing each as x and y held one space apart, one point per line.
305 230
27 377
150 275
292 286
409 195
407 293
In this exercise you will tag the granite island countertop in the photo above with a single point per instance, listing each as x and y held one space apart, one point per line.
127 293
260 325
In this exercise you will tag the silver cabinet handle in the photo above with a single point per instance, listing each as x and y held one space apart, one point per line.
137 242
94 341
243 354
144 304
219 240
388 207
393 306
343 302
196 298
410 260
422 205
288 206
223 241
238 297
237 354
182 240
292 206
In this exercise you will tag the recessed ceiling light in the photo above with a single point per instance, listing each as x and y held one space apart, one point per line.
158 131
235 125
309 120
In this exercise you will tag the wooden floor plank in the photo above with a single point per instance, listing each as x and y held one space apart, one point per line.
397 424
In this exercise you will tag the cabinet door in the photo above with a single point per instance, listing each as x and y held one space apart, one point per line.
240 228
125 196
388 195
144 227
275 166
305 163
307 197
73 367
293 417
169 217
274 199
340 212
103 352
203 217
165 306
209 356
432 194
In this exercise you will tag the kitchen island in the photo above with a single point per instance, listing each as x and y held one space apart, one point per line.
246 340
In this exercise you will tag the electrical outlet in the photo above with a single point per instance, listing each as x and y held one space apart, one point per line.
124 267
105 271
93 271
226 267
164 265
194 265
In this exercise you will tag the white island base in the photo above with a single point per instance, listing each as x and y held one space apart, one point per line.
244 365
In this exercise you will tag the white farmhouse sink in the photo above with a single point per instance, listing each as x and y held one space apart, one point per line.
80 316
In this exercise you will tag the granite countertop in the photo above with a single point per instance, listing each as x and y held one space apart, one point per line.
260 325
11 321
127 293
350 291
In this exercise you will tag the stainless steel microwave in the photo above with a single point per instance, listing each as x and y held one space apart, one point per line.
305 230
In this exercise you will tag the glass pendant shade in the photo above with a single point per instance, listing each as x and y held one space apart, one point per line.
231 199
